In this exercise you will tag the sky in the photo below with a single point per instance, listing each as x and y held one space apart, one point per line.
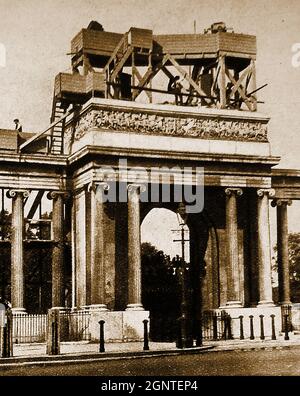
37 33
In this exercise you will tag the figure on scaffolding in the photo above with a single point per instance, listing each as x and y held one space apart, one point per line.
175 87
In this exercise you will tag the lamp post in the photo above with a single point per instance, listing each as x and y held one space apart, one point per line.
185 338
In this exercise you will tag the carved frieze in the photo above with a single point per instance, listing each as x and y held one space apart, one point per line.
203 127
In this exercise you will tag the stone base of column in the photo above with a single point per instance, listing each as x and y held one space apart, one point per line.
285 303
233 304
60 309
119 326
265 303
18 311
134 307
98 307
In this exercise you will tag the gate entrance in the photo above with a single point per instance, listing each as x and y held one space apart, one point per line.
161 283
161 293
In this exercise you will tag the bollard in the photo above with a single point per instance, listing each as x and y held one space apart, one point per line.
146 339
101 344
215 327
286 328
241 317
251 328
262 333
273 327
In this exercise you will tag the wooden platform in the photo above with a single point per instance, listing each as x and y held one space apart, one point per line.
205 45
10 139
77 84
102 44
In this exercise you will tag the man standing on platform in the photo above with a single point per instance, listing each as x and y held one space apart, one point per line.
18 126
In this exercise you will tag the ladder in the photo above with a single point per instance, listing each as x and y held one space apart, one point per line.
57 131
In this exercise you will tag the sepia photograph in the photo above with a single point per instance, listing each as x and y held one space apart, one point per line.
149 192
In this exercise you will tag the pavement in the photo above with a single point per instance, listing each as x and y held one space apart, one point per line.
83 351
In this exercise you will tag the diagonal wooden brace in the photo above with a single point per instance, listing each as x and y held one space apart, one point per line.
240 90
186 76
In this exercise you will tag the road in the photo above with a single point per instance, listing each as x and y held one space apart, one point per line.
226 363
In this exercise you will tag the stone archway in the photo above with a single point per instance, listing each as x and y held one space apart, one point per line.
202 282
161 289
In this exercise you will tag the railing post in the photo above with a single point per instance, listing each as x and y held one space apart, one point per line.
101 340
215 327
228 319
179 343
251 328
6 336
241 327
2 340
9 332
223 318
146 339
199 338
53 341
262 333
273 327
286 328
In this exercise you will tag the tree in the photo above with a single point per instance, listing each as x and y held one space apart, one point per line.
294 264
160 293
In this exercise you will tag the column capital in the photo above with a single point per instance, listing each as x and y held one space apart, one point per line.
55 194
281 202
134 187
14 193
95 185
270 192
233 191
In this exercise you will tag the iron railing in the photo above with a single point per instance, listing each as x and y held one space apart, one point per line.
216 326
75 326
29 328
286 318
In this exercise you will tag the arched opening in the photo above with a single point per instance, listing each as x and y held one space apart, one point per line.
161 272
163 293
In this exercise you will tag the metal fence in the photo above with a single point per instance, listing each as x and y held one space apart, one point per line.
29 328
75 326
216 326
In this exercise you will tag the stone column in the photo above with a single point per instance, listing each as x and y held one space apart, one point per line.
97 246
264 248
58 252
233 276
134 248
252 238
80 239
282 250
73 253
17 250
